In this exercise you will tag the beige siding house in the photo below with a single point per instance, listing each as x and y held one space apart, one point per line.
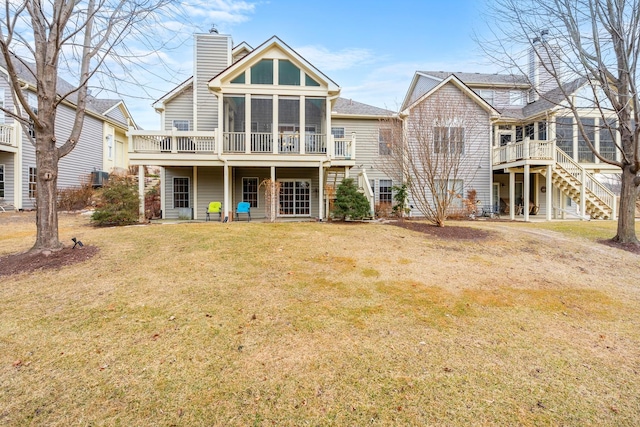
250 115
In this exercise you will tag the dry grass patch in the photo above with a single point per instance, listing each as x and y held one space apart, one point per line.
321 324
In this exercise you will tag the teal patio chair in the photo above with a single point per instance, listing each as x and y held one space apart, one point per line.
243 207
214 208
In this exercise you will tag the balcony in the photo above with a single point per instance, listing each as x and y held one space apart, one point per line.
197 145
527 151
8 138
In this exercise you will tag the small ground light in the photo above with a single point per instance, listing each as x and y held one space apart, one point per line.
77 243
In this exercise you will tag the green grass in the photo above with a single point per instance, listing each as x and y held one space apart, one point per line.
292 324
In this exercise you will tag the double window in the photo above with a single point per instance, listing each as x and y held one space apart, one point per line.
448 140
181 125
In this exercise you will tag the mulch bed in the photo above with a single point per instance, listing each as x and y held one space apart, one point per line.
447 232
28 262
625 247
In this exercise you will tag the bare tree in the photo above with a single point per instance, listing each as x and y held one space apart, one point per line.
435 151
588 44
84 38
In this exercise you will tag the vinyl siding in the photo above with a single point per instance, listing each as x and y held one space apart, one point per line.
117 114
367 153
211 57
76 167
179 108
423 85
8 100
170 173
210 188
476 171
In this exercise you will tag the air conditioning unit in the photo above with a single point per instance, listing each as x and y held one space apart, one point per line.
99 178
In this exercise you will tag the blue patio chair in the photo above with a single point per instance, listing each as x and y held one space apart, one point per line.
243 207
214 208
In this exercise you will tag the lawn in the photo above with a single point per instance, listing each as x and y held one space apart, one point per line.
293 324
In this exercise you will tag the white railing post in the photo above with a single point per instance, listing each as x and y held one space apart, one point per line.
174 141
331 148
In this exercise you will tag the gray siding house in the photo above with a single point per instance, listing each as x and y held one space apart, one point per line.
102 145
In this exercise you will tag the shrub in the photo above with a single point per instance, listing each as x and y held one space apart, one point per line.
383 210
75 198
350 202
152 203
118 203
401 197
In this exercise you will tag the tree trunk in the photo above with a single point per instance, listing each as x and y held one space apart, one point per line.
626 215
46 191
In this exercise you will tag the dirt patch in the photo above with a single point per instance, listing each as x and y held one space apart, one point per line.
448 232
630 247
29 262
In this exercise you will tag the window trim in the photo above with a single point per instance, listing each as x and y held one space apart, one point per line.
385 193
2 180
184 121
257 193
440 139
32 183
188 192
344 132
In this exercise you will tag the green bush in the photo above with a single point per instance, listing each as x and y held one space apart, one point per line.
350 203
118 203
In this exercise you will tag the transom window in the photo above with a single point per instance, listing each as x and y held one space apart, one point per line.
262 72
448 140
180 192
288 74
250 191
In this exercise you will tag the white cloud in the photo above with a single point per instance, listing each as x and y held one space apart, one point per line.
326 60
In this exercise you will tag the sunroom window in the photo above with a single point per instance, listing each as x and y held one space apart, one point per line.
308 81
262 72
288 74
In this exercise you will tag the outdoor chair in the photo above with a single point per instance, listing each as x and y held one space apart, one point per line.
243 207
214 208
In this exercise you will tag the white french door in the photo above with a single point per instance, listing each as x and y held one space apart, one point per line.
295 197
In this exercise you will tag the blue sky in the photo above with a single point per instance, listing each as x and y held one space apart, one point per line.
370 48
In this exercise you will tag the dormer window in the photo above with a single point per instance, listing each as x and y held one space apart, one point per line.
262 72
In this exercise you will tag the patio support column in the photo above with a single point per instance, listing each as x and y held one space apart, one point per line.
320 192
512 195
163 192
247 124
195 192
273 196
526 196
549 193
346 172
275 126
141 191
226 202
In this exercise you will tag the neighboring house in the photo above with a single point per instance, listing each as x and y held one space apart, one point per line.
533 148
248 115
102 145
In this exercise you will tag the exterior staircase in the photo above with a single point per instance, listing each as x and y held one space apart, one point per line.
571 178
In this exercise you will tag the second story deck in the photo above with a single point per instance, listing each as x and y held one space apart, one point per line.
165 147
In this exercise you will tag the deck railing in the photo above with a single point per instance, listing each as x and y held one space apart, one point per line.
6 135
524 150
238 143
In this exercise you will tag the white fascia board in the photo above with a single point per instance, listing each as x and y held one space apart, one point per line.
159 104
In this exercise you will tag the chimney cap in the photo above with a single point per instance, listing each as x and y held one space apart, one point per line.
213 29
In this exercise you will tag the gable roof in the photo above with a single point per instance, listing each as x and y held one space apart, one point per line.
158 104
452 78
99 106
509 80
349 108
553 98
274 41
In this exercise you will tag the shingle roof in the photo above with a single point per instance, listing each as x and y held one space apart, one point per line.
481 78
552 98
350 107
26 73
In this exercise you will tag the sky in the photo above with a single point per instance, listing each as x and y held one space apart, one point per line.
371 49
